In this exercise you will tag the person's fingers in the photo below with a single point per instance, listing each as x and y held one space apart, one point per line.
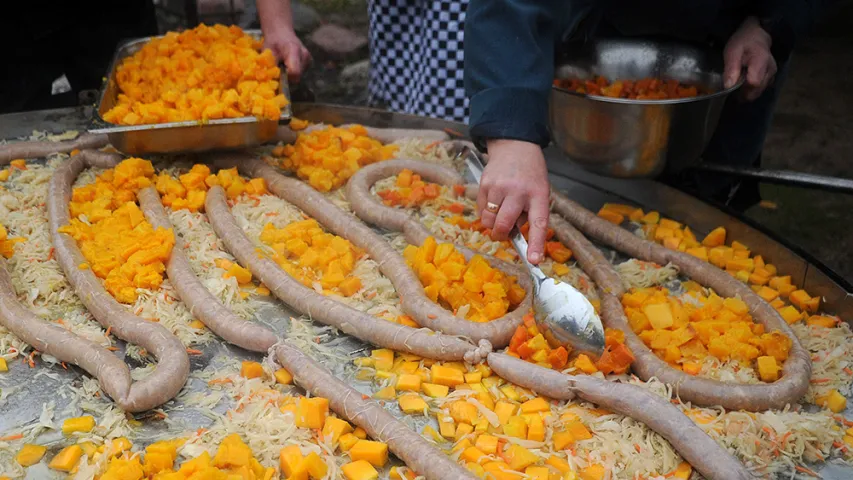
756 68
733 60
761 69
537 216
511 208
482 196
495 197
293 62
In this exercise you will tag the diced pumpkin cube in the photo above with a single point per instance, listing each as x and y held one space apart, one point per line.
473 454
659 315
611 216
434 390
716 238
799 298
463 430
409 383
516 427
78 424
504 411
383 359
821 321
536 429
519 457
359 470
790 314
30 455
283 377
374 452
443 375
347 440
767 293
463 412
584 364
386 393
412 403
312 412
768 369
592 472
538 404
250 369
334 428
66 459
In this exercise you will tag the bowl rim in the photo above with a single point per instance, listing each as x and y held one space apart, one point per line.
668 101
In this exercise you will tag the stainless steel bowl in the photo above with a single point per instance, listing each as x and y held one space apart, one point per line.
637 138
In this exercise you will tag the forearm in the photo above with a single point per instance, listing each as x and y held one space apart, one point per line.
509 66
275 14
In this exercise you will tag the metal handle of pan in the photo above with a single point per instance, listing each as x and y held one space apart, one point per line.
783 177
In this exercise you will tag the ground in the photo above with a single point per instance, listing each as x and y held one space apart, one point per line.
810 131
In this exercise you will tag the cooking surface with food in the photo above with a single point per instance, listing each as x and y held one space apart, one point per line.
717 364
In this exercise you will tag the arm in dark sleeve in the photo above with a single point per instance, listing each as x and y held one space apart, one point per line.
509 66
793 19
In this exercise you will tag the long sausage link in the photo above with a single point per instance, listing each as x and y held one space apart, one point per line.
172 361
368 208
703 391
415 303
407 445
321 308
709 458
203 304
43 148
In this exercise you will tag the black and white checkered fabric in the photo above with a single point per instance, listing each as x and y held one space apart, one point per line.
416 57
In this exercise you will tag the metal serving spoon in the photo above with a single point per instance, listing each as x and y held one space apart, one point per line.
568 314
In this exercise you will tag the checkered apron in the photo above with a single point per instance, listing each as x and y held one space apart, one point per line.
416 57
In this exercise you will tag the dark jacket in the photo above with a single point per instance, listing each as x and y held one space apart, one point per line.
510 46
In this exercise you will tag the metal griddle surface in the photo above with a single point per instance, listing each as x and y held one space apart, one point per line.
32 388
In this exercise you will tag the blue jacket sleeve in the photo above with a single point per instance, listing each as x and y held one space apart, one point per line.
509 66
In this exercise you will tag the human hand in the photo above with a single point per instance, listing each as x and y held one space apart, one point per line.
287 47
516 180
749 47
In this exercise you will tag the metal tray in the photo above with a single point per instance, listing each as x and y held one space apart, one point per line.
24 404
180 137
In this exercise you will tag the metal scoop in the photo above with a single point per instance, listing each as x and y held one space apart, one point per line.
569 316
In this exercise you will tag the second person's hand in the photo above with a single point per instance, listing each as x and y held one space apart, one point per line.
280 37
515 181
289 49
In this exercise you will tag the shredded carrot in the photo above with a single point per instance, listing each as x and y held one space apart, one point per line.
432 145
819 380
807 471
431 316
217 381
371 295
16 436
160 415
50 255
31 361
193 351
453 132
64 365
112 349
637 447
847 423
848 371
364 397
109 329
